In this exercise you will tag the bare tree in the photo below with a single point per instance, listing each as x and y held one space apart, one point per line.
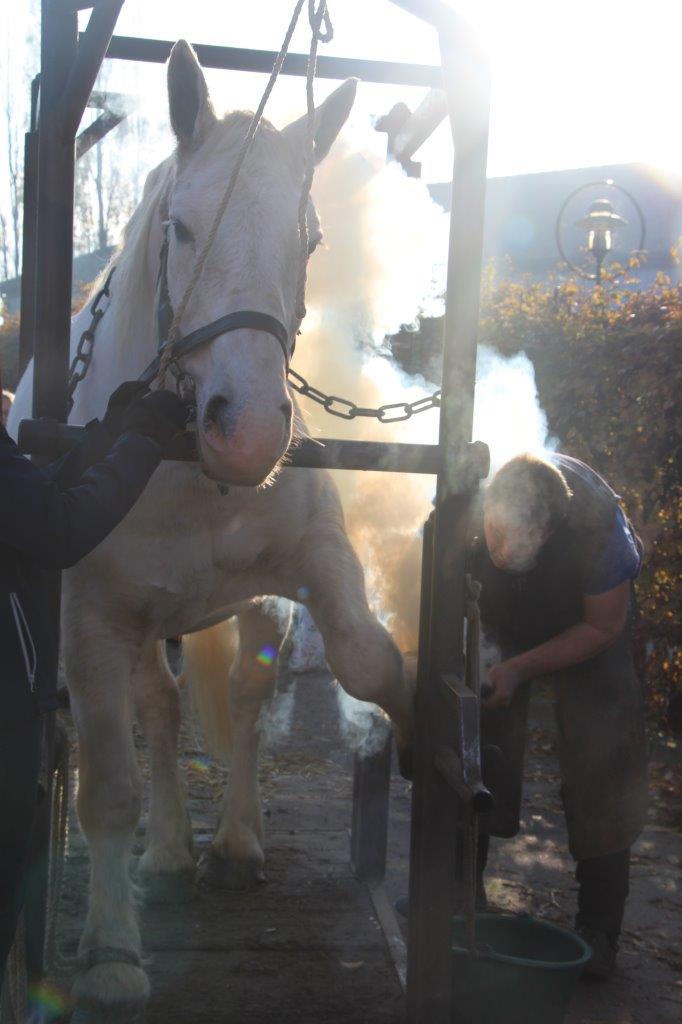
4 247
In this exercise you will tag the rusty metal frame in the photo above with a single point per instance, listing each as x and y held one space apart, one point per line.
69 66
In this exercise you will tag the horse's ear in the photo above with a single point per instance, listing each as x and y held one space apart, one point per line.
330 117
191 111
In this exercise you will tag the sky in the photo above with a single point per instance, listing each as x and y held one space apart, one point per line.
578 83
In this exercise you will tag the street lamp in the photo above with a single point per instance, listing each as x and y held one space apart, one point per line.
600 224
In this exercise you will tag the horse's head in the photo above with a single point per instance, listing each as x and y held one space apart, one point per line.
244 410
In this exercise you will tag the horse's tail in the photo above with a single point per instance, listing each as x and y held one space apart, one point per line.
207 658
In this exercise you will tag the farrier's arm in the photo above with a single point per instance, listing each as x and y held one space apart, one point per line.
603 622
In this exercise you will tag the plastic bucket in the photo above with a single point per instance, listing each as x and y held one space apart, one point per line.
524 973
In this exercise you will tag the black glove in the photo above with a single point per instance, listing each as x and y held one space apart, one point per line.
160 415
119 402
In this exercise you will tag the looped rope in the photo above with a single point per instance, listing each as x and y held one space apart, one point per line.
323 35
317 17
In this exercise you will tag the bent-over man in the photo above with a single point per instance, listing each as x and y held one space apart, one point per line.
556 558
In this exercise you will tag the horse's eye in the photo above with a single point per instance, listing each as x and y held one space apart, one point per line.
182 233
313 242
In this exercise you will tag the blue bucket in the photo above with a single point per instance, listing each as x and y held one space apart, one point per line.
525 971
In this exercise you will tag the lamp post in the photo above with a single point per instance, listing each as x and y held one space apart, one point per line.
600 224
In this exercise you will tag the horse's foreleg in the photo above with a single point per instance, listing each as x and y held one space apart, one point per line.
166 868
235 859
360 652
111 978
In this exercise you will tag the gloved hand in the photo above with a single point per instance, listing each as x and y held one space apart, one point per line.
160 415
120 399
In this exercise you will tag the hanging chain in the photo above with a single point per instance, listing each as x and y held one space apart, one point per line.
80 365
392 412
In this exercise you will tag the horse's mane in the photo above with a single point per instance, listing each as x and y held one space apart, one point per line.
130 258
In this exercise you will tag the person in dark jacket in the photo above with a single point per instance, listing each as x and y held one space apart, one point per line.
49 519
556 558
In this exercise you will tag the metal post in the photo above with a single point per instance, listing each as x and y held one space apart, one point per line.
28 245
435 810
56 163
369 829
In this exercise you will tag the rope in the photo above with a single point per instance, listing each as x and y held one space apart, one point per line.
317 17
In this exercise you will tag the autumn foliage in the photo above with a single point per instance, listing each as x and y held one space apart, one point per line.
608 365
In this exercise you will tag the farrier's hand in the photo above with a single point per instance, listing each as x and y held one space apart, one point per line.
160 415
505 680
120 399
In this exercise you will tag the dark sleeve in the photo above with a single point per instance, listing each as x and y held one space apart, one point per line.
58 527
67 471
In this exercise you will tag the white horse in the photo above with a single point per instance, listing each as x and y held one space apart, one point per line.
190 555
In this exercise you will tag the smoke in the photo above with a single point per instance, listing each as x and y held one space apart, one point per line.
385 245
507 412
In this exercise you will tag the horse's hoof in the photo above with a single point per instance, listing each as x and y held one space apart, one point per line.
110 993
238 875
164 887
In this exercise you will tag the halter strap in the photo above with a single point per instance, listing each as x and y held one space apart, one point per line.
240 319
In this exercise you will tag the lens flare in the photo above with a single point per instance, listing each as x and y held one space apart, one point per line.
48 1001
266 655
199 764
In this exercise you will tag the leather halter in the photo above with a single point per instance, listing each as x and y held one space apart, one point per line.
242 318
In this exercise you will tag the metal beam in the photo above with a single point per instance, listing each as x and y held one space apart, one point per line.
435 841
49 437
230 58
92 48
96 131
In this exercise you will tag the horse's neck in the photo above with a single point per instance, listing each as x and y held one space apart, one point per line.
124 346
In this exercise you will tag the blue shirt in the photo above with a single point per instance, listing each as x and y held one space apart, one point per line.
620 559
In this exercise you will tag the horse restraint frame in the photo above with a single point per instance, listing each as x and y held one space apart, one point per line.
445 704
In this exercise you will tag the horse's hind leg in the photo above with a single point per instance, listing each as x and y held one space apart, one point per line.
111 984
167 867
235 859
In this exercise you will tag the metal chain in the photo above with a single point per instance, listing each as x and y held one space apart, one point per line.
80 364
392 412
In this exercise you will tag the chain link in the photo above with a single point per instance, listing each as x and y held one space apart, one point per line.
392 412
80 364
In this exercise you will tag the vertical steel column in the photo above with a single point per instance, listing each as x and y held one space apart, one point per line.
369 828
54 241
28 244
435 810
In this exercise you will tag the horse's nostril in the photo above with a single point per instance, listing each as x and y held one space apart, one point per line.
215 407
286 408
